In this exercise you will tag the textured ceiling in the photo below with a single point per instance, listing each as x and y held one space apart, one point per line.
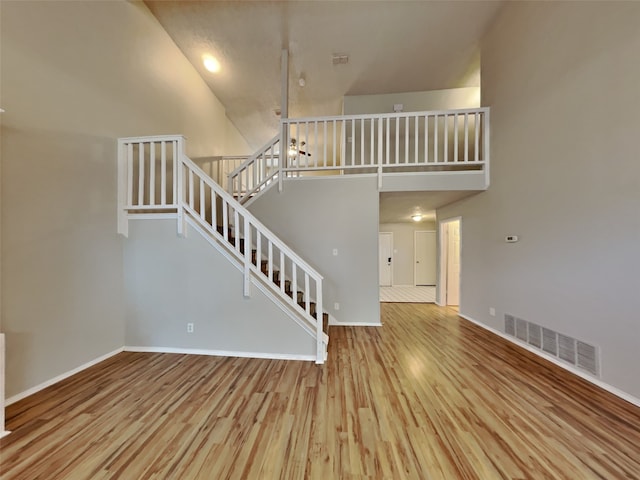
393 46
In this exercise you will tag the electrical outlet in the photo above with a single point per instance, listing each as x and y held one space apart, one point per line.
336 306
492 311
189 327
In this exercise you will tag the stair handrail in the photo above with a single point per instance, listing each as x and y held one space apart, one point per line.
254 221
166 180
244 253
262 173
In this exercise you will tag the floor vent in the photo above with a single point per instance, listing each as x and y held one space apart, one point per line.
567 349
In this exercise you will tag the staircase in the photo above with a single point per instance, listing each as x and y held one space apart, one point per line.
434 150
156 179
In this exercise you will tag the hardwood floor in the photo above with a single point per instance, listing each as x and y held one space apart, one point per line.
427 396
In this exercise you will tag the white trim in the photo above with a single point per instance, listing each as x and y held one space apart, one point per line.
441 279
61 377
5 433
354 324
394 286
152 138
152 216
599 383
220 353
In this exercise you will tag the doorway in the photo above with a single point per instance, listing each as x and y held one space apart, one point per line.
385 255
424 257
450 261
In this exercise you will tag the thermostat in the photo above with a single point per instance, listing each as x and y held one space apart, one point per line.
511 238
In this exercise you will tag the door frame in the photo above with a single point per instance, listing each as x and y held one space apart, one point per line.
441 287
415 232
379 266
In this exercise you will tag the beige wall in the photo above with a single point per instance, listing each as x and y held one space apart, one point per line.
403 248
468 97
75 77
562 80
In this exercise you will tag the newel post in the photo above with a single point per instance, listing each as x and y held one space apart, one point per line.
320 347
247 257
178 155
123 186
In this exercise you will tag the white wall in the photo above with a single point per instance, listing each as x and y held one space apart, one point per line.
75 77
562 81
468 97
403 248
316 215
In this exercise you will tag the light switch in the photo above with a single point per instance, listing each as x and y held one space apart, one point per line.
335 252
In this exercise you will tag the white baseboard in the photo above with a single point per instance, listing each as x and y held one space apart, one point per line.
354 324
597 382
220 353
5 433
48 383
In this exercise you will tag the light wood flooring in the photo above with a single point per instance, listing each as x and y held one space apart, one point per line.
426 396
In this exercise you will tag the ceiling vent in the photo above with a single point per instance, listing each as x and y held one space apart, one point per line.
340 58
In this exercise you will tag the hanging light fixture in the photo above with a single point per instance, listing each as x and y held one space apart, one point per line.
294 150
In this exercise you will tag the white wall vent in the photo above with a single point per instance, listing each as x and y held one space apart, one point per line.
521 329
510 325
535 335
588 358
550 342
566 348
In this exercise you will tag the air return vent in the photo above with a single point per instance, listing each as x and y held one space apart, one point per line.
566 348
510 325
550 341
587 357
535 335
521 329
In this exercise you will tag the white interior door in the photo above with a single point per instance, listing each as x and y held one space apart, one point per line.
425 258
453 263
385 249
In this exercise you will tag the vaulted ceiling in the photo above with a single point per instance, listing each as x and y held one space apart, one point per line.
393 46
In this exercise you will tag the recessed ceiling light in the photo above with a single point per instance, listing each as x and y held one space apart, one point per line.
417 217
211 63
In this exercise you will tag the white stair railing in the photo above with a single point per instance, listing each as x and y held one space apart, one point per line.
430 141
147 176
447 140
257 173
155 176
